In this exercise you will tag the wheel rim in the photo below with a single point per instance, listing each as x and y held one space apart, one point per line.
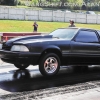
50 65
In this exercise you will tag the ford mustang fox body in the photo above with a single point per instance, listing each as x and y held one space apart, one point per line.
64 46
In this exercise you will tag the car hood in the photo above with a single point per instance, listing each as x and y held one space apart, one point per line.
27 38
46 40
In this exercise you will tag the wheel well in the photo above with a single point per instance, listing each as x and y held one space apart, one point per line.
52 51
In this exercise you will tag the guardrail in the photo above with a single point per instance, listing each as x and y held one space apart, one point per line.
8 35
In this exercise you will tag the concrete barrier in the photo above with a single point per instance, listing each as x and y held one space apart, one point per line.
46 15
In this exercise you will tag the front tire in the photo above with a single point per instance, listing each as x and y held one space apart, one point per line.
21 66
49 64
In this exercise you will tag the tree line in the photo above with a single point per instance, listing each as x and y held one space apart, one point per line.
68 4
8 2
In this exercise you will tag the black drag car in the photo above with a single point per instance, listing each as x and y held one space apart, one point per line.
64 46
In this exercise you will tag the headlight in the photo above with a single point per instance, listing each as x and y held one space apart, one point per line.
19 48
0 46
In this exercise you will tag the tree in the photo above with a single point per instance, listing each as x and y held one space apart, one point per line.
39 1
8 2
86 1
63 2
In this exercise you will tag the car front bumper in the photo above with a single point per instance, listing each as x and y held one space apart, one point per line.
19 57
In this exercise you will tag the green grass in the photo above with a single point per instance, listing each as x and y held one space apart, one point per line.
26 26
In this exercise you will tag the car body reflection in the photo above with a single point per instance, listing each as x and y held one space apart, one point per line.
21 74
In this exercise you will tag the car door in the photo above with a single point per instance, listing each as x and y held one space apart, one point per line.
85 47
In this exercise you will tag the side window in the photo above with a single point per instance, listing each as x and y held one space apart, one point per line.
87 37
98 32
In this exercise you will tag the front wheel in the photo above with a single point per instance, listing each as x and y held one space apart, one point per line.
49 64
21 66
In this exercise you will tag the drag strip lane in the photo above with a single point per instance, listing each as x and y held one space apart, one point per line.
19 81
31 79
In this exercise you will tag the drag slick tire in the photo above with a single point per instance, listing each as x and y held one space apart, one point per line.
21 66
49 64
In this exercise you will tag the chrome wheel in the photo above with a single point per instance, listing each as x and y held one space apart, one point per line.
50 65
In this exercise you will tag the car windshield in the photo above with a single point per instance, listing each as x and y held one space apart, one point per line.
67 33
90 12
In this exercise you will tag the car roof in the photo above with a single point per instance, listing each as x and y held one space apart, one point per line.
79 28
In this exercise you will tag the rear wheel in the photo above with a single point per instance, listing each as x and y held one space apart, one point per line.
49 64
21 66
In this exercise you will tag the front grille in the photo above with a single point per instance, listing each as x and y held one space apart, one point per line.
6 47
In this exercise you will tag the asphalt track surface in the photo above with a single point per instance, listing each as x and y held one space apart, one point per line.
29 84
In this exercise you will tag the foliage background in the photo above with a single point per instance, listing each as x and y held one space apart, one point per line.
68 4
